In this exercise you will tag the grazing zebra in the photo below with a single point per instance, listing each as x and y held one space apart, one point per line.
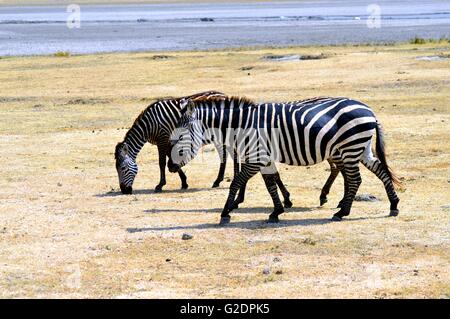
339 130
154 125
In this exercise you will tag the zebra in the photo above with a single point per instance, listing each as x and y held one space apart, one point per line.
154 125
339 130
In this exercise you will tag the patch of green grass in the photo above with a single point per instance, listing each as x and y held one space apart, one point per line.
62 54
419 40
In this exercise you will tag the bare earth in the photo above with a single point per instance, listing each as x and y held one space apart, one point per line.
66 232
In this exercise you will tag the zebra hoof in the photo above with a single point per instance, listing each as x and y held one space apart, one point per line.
184 186
323 200
394 212
224 220
215 185
287 203
336 218
158 189
273 220
235 205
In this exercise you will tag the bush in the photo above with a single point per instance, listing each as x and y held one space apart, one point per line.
418 40
63 54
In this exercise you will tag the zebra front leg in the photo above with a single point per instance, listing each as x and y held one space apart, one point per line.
284 191
271 183
162 149
241 195
223 163
241 178
334 172
183 178
352 180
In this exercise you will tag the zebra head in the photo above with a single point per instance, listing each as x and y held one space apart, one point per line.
126 168
187 137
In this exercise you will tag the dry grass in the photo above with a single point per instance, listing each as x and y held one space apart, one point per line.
60 214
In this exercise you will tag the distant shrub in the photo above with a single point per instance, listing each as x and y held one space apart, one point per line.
418 40
62 54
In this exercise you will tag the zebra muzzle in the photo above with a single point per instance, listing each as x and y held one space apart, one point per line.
127 190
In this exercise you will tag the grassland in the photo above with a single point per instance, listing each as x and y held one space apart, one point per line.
66 232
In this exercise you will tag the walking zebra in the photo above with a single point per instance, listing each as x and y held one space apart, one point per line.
154 125
302 133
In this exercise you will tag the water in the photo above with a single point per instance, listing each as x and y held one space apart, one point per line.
165 27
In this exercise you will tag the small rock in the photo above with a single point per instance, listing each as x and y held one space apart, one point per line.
168 260
278 272
207 19
309 241
160 57
186 236
366 198
416 272
266 271
288 57
59 184
276 260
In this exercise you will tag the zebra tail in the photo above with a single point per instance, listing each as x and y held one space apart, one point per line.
381 154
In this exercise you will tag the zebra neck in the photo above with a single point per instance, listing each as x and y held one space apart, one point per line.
135 143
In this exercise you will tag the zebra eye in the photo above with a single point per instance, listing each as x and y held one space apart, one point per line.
123 167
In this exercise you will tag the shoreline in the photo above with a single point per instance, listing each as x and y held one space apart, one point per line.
217 26
417 41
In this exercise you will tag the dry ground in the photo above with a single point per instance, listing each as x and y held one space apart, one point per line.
66 232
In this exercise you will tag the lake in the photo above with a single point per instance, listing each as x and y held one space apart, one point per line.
168 27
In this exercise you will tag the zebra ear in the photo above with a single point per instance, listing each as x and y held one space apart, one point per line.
187 106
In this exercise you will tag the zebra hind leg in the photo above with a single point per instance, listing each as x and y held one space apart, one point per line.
335 168
271 183
353 176
240 197
346 188
375 166
247 171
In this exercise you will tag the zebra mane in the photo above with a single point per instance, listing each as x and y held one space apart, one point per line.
195 97
229 102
